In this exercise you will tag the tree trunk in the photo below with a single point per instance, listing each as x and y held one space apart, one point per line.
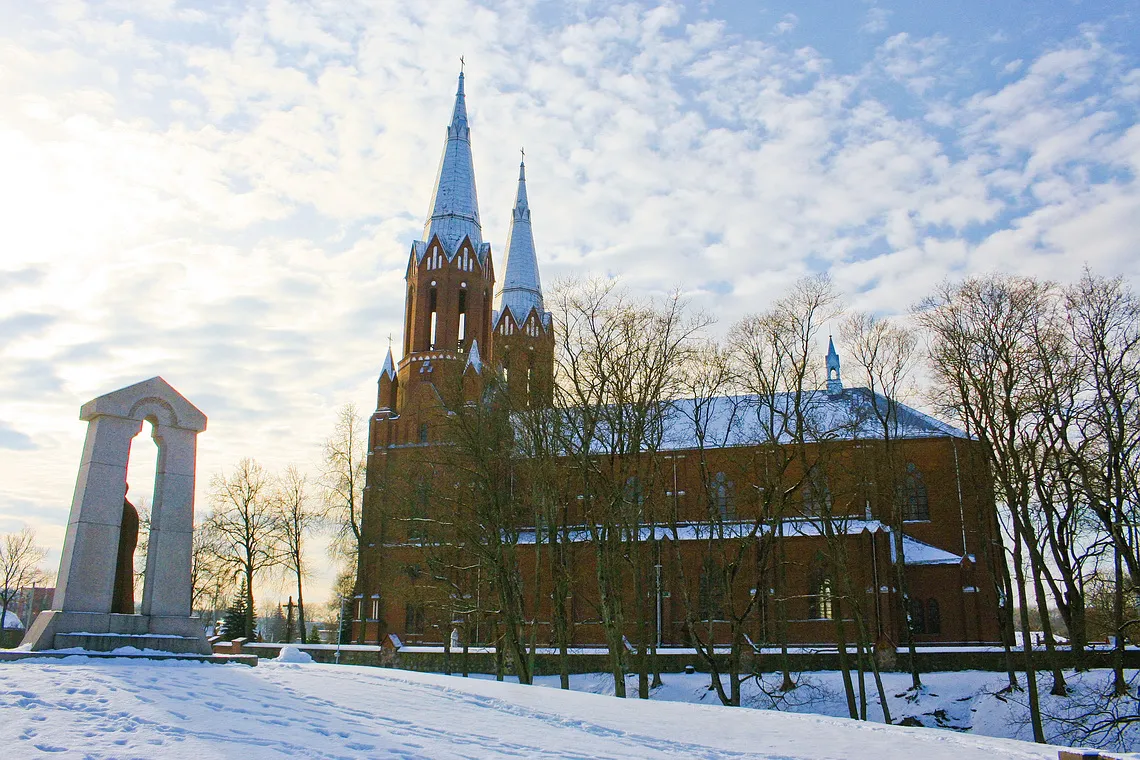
844 662
1120 686
1027 645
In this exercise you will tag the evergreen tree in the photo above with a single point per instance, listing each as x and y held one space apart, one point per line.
233 622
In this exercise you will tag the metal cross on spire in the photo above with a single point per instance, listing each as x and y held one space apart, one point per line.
461 64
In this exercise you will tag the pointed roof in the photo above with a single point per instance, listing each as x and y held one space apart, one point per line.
454 210
389 367
473 359
521 289
834 381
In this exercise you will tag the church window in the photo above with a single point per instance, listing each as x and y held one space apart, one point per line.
933 617
816 494
462 317
413 619
375 608
711 592
633 493
432 304
917 616
359 608
423 432
529 378
912 495
417 516
820 594
722 497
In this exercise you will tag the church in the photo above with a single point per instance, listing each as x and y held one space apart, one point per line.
920 562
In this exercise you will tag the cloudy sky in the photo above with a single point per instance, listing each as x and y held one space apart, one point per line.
224 193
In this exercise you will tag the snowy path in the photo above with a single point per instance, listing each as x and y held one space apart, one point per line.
82 708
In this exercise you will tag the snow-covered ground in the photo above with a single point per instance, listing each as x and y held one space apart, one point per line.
130 708
969 702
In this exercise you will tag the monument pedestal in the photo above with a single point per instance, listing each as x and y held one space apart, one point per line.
105 632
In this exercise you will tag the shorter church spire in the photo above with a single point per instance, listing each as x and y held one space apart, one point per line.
389 368
834 382
521 290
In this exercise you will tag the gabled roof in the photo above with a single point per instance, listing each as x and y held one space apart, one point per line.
743 419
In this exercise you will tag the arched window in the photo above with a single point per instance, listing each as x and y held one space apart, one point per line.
816 494
433 302
933 617
917 614
820 592
423 432
462 318
711 592
633 493
912 497
722 496
413 619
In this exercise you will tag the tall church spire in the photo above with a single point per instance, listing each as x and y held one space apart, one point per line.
521 289
454 209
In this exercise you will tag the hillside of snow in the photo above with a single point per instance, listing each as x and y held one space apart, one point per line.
124 709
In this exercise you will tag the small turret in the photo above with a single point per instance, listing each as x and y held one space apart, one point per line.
834 382
387 384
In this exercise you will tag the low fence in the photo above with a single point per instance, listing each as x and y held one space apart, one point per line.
546 662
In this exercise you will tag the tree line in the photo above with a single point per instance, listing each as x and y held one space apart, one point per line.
1044 376
259 530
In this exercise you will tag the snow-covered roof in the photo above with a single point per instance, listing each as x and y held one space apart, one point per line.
745 419
389 367
454 210
918 553
12 620
474 360
701 531
521 289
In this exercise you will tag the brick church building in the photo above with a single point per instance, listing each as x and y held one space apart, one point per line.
462 323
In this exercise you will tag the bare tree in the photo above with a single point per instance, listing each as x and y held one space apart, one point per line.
20 558
296 520
616 369
212 580
987 367
885 353
245 526
345 460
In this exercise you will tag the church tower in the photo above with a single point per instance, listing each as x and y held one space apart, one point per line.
450 276
523 335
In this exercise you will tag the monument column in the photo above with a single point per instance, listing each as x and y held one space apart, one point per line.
86 580
167 584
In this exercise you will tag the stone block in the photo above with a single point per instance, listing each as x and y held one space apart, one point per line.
109 440
99 492
167 587
179 450
130 624
86 582
174 504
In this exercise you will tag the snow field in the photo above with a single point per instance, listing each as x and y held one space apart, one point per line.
135 709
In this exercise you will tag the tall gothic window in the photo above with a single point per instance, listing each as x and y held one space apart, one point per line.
816 494
917 614
462 318
821 598
433 302
722 497
912 496
413 619
933 617
711 593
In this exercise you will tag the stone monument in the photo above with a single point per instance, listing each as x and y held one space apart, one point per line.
94 605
